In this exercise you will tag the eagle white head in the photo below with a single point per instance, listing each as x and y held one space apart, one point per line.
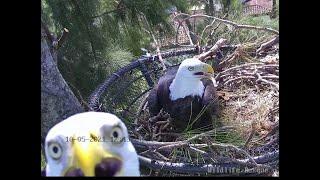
187 81
90 144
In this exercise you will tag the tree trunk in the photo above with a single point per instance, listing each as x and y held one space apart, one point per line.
274 9
57 100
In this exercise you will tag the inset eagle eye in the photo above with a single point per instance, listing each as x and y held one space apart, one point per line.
190 68
117 135
55 150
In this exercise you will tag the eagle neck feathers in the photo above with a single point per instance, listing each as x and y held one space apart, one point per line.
182 87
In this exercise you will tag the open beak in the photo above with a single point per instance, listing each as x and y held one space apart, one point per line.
206 71
92 160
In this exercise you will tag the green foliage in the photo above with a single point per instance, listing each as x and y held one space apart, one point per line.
104 35
43 161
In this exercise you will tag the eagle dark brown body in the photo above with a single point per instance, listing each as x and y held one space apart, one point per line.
184 110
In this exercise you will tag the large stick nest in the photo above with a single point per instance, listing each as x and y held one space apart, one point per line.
247 139
245 142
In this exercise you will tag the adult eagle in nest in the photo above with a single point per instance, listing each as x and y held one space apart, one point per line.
188 94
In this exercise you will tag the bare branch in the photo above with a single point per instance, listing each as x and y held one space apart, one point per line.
213 168
213 50
62 38
155 41
268 44
235 25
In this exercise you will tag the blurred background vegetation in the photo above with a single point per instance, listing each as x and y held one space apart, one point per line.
107 34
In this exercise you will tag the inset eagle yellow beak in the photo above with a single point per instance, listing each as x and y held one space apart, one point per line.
209 68
89 156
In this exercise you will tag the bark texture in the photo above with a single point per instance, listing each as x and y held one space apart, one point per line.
57 100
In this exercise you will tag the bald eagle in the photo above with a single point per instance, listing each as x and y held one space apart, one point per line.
90 144
187 93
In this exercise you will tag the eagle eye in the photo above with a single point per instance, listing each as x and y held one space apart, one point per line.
55 150
117 135
190 68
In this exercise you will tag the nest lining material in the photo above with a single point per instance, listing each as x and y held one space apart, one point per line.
246 141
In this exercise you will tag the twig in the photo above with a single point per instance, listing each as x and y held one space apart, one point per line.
188 33
208 26
247 65
212 168
62 38
155 144
237 149
160 58
266 81
213 50
268 44
237 78
235 25
161 156
155 41
253 130
84 103
273 130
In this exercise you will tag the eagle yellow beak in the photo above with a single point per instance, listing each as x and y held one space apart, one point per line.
90 156
208 68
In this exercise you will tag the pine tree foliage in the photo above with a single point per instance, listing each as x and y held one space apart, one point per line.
104 35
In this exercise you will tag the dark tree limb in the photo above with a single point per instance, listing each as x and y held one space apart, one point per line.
57 100
212 168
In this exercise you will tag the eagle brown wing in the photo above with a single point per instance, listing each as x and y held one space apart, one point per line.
159 95
210 97
153 102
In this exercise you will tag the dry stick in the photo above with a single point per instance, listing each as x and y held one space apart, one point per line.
213 50
273 130
62 38
161 156
197 150
186 142
80 97
140 109
213 30
160 59
247 65
237 78
155 144
253 130
156 42
266 81
208 26
188 34
186 167
238 161
268 44
177 32
229 22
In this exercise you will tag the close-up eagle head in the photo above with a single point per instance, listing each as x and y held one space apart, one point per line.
90 144
187 93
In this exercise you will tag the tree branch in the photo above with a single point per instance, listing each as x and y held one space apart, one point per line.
62 38
268 44
213 50
235 25
213 168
